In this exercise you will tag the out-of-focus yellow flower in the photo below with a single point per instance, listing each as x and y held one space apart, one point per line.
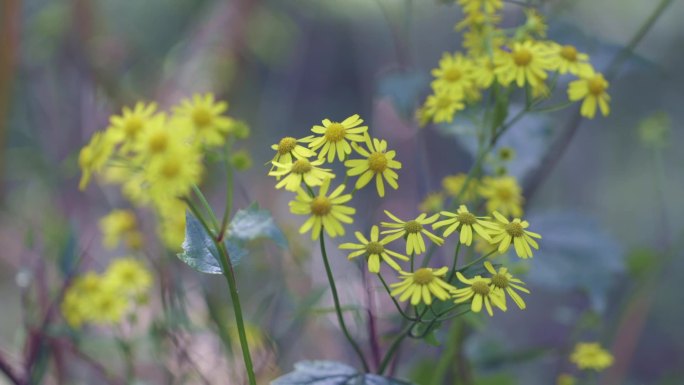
591 89
534 23
483 72
590 355
514 232
335 136
241 160
379 163
433 203
117 225
480 292
487 6
527 63
94 156
205 115
442 105
465 222
453 74
172 174
301 170
374 250
453 184
566 59
129 276
325 211
503 194
127 127
421 285
171 214
412 230
566 379
505 282
160 137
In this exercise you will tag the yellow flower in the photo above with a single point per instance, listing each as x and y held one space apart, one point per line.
483 72
421 285
94 156
117 225
172 174
525 64
592 89
289 148
126 128
514 232
161 136
433 203
453 184
487 6
565 58
108 306
453 74
480 292
534 23
590 355
301 170
373 250
128 276
206 118
326 212
412 230
171 217
443 104
379 163
566 379
503 281
465 223
503 194
335 136
76 305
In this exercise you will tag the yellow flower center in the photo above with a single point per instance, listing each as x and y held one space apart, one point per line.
480 287
597 85
377 162
452 75
335 132
157 142
500 281
171 168
286 145
522 57
443 102
133 125
569 53
467 219
375 248
514 229
423 276
321 206
413 227
504 194
301 166
201 116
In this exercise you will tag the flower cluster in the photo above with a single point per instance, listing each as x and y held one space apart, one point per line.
106 298
156 157
498 60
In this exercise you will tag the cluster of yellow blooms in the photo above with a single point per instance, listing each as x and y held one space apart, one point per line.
299 166
497 60
587 356
157 157
106 298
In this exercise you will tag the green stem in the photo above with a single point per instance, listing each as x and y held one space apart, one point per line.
477 260
336 299
205 205
393 348
127 353
406 316
229 197
453 265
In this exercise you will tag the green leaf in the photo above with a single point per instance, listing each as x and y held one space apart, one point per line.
252 223
331 373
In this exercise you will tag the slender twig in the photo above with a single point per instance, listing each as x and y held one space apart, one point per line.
229 196
403 314
453 265
462 268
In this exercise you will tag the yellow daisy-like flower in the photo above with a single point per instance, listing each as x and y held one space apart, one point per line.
373 250
160 136
590 355
172 174
505 282
205 115
443 104
76 305
116 226
565 59
126 128
453 73
525 64
335 137
108 306
483 72
326 212
534 23
288 149
128 276
514 232
591 89
479 291
94 156
379 163
412 230
487 6
465 222
433 203
421 285
503 194
453 184
301 170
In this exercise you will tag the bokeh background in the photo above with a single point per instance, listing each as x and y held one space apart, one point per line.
607 201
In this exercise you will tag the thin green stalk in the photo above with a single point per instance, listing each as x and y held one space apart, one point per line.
406 316
453 265
336 299
127 353
229 197
477 260
205 205
393 348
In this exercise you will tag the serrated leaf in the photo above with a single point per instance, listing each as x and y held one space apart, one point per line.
252 223
331 373
199 251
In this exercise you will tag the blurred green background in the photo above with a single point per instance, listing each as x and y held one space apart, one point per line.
610 209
